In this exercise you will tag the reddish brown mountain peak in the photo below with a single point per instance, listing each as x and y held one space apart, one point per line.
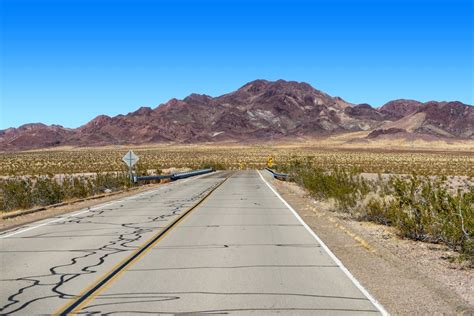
144 110
402 103
171 104
97 122
364 111
174 102
293 85
37 126
258 109
254 86
197 98
197 95
399 108
31 126
277 87
31 136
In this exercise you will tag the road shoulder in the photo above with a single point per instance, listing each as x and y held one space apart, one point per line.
6 224
406 277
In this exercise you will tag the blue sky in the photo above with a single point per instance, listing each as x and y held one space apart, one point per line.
68 61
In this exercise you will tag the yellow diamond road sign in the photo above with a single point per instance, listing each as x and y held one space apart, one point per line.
270 162
130 158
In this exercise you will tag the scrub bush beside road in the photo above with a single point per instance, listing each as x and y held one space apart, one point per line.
421 208
26 192
433 205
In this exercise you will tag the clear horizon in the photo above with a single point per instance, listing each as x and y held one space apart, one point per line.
65 62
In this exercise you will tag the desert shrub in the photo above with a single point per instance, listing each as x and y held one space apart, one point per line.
424 209
77 187
110 181
22 193
428 211
140 169
421 208
47 191
346 187
16 193
458 226
378 210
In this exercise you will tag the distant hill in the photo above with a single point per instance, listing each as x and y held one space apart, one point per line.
258 111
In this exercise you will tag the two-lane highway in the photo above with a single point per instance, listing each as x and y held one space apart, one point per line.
45 264
213 244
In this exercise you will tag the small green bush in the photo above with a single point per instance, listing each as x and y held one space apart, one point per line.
345 187
421 208
111 182
47 191
16 194
23 193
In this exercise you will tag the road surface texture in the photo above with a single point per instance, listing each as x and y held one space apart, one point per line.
224 243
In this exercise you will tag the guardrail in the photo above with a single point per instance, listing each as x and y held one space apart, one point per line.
279 176
182 175
174 176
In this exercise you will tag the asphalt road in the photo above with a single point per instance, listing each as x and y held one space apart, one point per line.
223 243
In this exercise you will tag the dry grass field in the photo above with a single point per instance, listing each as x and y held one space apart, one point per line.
437 208
438 160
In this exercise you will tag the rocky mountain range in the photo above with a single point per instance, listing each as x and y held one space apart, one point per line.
258 111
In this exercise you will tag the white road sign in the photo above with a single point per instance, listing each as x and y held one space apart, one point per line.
130 158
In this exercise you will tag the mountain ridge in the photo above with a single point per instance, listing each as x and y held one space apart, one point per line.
257 111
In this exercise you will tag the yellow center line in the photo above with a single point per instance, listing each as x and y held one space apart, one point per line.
91 292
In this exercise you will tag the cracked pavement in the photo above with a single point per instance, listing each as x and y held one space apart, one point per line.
241 251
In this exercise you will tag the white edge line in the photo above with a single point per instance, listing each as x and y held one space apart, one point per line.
330 253
95 208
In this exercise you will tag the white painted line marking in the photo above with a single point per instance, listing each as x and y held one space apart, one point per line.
96 208
329 252
55 220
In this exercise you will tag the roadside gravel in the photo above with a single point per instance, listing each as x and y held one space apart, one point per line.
406 276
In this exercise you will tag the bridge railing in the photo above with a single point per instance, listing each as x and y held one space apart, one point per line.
174 176
279 176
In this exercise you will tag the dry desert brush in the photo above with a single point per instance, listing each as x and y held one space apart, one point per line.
420 207
26 192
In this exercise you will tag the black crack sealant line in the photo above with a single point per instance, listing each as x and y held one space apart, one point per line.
121 244
89 294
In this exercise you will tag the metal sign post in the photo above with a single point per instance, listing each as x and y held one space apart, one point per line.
130 160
